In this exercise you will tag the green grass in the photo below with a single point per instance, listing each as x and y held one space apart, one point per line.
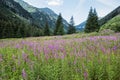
113 24
69 57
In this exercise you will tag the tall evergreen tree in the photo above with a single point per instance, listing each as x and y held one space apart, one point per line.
96 24
18 34
46 30
92 22
71 28
59 29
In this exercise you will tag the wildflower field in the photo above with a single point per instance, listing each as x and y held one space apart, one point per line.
70 57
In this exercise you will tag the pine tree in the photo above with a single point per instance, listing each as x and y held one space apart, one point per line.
96 25
46 30
92 22
10 32
18 34
71 28
4 33
59 29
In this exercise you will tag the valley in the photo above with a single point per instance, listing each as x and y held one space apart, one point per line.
36 43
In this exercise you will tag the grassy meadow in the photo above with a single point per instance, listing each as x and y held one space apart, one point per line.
69 57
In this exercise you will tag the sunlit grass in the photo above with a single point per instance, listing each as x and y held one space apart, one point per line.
70 57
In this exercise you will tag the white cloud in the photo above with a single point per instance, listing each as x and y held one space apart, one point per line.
54 2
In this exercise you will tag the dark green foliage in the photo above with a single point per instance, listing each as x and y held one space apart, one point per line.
113 24
11 30
71 28
92 22
16 8
14 25
46 30
96 25
59 29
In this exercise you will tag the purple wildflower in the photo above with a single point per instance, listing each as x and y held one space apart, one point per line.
85 75
103 49
25 57
17 46
114 48
24 74
62 56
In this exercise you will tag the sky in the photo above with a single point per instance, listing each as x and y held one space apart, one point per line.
79 9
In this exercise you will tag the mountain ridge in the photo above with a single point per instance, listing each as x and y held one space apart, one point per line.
42 15
110 15
15 21
81 26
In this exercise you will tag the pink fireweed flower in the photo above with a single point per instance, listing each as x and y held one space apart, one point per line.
62 56
25 57
103 49
17 46
85 75
24 74
114 48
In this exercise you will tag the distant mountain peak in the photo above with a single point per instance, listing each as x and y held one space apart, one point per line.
41 15
26 6
81 26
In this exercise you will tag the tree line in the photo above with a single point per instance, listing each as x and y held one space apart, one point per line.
92 24
16 28
59 27
10 29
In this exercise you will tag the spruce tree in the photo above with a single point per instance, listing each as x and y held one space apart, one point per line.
4 32
59 29
92 22
96 24
71 28
18 34
46 30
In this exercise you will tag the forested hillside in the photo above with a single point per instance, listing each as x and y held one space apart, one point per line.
113 24
108 17
42 15
15 21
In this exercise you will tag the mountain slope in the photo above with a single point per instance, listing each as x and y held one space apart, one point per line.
81 26
16 8
113 24
15 21
112 14
42 15
26 6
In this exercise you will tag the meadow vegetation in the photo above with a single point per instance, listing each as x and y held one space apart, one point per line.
70 57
